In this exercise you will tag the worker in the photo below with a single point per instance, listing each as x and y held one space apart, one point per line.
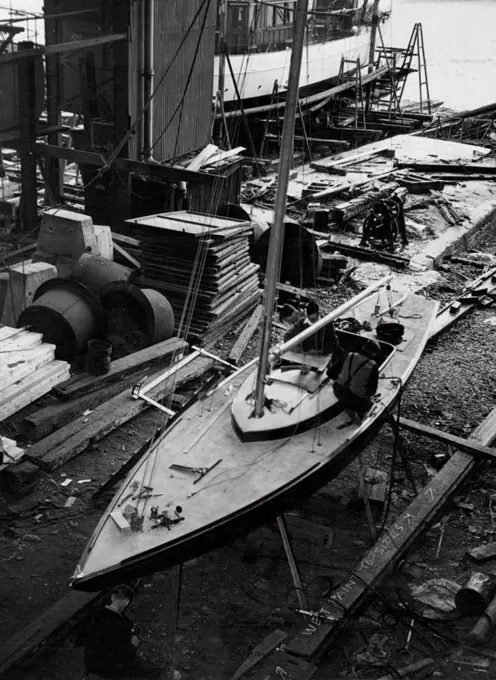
324 341
357 382
111 641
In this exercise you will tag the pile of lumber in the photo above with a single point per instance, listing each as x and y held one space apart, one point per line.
28 369
202 264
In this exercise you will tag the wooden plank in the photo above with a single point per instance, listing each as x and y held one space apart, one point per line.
202 157
62 47
473 448
221 156
66 611
46 420
128 240
315 637
132 260
362 253
259 652
245 336
84 383
22 340
455 168
155 170
33 387
325 164
282 665
17 365
75 438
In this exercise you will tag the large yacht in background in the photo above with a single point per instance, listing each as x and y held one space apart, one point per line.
258 37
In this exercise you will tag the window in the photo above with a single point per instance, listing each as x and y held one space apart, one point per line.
281 14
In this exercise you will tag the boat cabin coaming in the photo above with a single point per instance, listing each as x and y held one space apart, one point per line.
299 393
253 27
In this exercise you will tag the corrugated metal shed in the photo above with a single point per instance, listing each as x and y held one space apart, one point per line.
183 101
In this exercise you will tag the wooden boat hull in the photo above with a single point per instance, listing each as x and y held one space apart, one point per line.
249 483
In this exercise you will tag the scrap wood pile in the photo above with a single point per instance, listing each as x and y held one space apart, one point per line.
28 370
202 264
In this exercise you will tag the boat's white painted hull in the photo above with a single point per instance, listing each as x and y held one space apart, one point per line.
256 73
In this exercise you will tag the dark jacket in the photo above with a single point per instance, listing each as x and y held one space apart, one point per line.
359 374
108 647
324 341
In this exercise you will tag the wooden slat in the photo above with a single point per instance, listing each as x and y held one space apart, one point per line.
281 665
259 652
473 448
245 336
17 365
69 441
314 639
32 387
84 383
132 260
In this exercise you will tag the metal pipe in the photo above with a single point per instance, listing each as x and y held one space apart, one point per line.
279 350
277 231
148 78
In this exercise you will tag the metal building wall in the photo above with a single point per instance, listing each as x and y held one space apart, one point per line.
177 128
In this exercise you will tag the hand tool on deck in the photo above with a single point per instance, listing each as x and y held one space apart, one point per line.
202 471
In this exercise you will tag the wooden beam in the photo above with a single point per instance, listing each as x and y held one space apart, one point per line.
60 48
304 101
83 383
64 613
316 636
73 439
455 168
153 170
245 336
473 448
27 129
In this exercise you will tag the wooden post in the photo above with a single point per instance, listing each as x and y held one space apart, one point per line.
27 130
54 167
173 593
292 563
121 183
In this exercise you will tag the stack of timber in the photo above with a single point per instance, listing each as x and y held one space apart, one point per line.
202 264
28 369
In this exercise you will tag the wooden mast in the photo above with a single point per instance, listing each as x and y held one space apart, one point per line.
277 231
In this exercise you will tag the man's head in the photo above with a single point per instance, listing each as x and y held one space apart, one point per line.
313 311
121 597
371 348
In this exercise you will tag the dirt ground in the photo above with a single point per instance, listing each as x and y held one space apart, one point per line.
233 597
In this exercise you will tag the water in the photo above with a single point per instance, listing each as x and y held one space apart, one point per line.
460 45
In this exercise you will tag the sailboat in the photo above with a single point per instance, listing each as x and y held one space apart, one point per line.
264 438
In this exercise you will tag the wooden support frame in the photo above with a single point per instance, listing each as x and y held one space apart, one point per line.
152 170
60 48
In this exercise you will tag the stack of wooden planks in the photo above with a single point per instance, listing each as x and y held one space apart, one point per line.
28 369
202 264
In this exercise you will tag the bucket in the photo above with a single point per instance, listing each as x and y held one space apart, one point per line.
98 357
473 598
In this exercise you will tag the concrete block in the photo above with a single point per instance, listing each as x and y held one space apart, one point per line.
24 280
21 478
104 239
66 233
